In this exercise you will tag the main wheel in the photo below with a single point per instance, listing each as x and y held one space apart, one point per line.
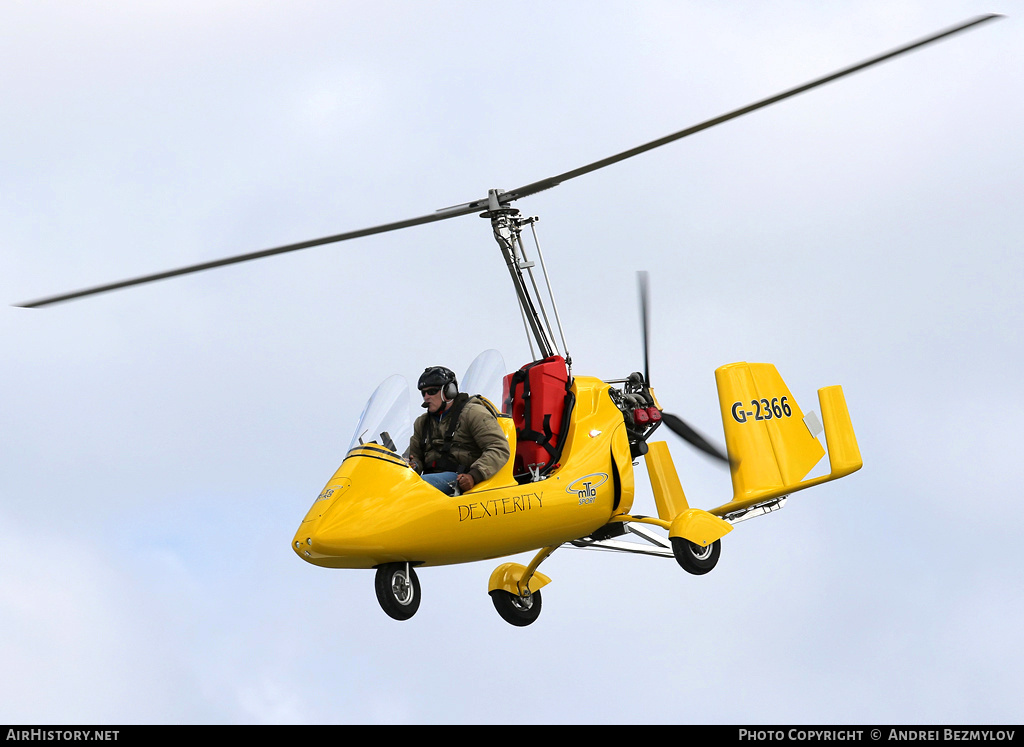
696 559
398 590
515 609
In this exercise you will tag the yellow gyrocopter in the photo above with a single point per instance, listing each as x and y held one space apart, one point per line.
573 439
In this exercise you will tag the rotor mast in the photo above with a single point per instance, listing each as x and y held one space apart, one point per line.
507 227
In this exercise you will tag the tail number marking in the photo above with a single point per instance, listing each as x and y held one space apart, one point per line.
763 409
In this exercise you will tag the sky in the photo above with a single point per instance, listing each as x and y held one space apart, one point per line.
160 445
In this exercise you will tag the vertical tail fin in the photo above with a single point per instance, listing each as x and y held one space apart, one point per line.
843 451
771 446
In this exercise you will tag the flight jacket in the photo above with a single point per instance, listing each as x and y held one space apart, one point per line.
479 446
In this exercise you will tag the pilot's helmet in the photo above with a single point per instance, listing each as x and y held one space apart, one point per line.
439 376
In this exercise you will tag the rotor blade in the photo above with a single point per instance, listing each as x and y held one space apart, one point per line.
451 212
644 323
554 181
688 434
504 198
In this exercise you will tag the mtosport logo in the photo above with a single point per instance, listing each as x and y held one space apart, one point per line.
585 488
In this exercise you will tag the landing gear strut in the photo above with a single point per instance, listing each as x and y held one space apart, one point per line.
515 589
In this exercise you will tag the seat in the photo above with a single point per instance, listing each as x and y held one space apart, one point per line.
539 400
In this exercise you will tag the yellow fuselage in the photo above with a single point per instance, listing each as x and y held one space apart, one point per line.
375 509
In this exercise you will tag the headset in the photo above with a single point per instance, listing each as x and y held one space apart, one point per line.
442 377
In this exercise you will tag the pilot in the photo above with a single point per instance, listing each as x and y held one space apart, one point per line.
457 442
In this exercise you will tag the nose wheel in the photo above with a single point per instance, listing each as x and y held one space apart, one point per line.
398 590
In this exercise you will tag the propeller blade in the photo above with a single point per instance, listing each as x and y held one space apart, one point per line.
642 280
688 434
676 424
554 181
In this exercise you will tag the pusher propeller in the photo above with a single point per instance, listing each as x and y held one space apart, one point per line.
675 423
499 199
678 426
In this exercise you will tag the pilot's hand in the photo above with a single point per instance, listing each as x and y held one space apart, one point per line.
466 482
414 464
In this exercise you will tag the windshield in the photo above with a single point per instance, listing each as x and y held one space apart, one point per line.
386 419
484 376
